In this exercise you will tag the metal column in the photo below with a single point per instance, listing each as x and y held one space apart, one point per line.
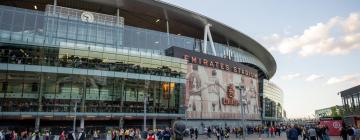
37 123
82 122
154 124
145 103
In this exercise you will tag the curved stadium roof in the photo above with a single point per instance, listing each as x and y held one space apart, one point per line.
143 13
173 13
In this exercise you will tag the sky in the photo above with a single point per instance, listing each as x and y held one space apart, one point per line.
316 44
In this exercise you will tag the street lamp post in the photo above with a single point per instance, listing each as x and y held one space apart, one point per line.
186 114
145 103
75 113
241 88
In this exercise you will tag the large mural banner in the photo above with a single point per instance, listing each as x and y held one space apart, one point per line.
211 94
211 83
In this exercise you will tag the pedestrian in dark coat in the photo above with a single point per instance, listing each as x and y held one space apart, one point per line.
293 133
343 133
196 133
82 134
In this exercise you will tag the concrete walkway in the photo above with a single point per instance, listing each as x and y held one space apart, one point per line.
254 137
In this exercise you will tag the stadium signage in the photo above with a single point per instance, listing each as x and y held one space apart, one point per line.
230 98
211 61
218 65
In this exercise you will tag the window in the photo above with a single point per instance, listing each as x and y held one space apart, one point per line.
34 87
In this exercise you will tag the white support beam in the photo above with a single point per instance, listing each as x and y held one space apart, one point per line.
168 32
207 34
211 43
205 38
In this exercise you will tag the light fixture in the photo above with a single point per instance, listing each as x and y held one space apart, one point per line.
157 20
35 7
156 42
178 34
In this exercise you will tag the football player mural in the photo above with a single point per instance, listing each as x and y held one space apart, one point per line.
212 94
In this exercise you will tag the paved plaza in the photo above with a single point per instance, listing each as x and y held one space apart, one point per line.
255 137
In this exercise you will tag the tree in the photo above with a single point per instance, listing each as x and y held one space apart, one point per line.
335 111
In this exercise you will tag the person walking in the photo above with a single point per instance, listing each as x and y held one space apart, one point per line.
305 133
62 135
260 131
343 133
36 135
277 130
318 132
82 134
121 134
151 136
1 135
312 133
196 133
325 133
209 132
137 134
127 134
191 133
132 134
293 133
222 134
218 134
266 129
272 131
13 135
227 134
47 135
350 132
357 133
167 134
95 135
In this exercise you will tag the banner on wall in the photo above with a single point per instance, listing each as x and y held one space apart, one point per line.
333 125
211 83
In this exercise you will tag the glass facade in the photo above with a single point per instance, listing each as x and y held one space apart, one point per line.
55 29
273 101
49 92
351 103
50 63
53 79
52 60
104 59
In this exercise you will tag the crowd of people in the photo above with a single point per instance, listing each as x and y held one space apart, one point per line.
292 132
95 134
350 133
319 132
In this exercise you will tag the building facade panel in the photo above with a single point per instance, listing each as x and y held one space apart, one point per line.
273 101
59 60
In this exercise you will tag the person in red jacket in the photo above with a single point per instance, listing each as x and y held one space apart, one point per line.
62 135
272 131
151 136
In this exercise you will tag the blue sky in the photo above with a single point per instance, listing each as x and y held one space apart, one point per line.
316 44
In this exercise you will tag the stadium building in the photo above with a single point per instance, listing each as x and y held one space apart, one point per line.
99 61
273 103
351 106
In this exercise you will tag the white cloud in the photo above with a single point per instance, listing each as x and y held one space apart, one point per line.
314 77
291 76
337 36
351 78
